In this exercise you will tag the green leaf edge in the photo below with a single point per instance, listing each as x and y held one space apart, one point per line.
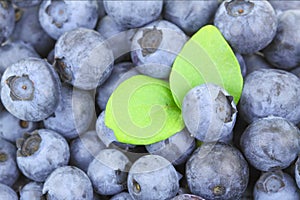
123 137
199 34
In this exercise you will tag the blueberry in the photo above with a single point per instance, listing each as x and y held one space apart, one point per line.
296 71
217 171
7 20
104 133
41 152
270 92
118 37
68 183
107 135
50 57
297 172
30 89
275 185
84 149
7 193
26 3
108 171
155 47
256 61
209 112
58 17
190 17
9 172
175 149
242 64
120 73
74 114
271 143
133 14
284 50
187 197
152 177
107 27
12 128
281 6
247 25
13 52
122 196
83 58
32 191
29 30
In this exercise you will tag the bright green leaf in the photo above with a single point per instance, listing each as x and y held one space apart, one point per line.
142 111
206 58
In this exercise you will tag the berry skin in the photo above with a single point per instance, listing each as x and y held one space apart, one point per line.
270 143
107 135
12 128
121 72
122 196
248 26
133 14
84 149
26 3
176 149
83 58
74 185
283 52
270 92
190 17
108 171
7 193
297 172
7 20
29 30
187 197
155 47
275 185
281 6
242 64
152 177
13 52
58 17
30 89
296 71
217 171
41 152
74 114
209 113
32 191
256 61
118 37
9 171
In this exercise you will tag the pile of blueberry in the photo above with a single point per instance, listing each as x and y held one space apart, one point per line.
61 60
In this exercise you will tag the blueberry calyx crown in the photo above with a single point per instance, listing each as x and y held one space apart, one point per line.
21 88
3 157
239 7
219 190
28 145
150 40
136 186
57 11
23 124
120 176
4 4
62 70
224 112
271 183
18 14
